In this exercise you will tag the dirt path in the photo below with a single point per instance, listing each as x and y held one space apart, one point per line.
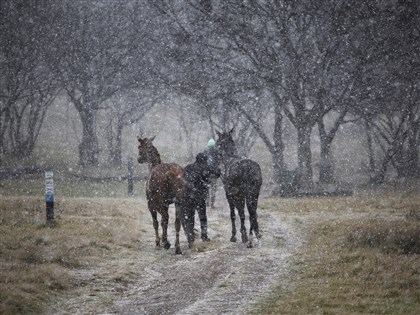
225 278
220 277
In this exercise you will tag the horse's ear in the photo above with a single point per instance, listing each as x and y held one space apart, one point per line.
231 131
218 133
152 138
139 139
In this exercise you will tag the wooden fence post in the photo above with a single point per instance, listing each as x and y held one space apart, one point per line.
130 176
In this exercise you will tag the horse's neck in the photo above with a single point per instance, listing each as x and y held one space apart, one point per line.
153 158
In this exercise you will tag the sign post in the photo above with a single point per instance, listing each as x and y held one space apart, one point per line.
49 195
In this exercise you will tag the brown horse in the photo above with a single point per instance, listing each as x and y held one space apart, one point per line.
165 186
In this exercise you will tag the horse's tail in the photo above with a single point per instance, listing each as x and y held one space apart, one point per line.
176 181
252 192
184 212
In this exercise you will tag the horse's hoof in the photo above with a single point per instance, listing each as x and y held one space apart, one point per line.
167 245
249 245
205 239
233 239
178 251
244 239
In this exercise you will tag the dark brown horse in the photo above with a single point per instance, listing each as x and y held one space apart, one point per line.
242 182
164 186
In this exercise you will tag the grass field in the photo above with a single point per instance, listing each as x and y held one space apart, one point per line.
360 253
361 257
39 260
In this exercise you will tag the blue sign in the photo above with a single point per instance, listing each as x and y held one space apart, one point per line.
49 186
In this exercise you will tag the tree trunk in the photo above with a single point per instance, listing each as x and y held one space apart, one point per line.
326 167
115 154
88 148
413 162
4 124
278 154
372 166
379 176
406 158
188 135
305 156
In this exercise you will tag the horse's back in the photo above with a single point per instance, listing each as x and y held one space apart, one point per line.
167 181
246 175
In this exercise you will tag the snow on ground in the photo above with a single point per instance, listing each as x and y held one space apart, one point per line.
220 278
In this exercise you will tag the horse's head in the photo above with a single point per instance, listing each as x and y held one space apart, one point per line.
145 147
226 143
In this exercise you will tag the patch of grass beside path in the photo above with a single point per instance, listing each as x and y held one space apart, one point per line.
361 256
38 261
360 253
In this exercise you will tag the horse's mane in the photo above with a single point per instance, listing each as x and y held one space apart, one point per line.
154 155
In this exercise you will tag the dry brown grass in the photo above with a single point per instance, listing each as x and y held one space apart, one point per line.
38 260
361 256
360 253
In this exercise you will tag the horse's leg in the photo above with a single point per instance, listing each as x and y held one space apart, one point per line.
177 229
252 204
213 189
201 208
232 217
153 212
165 220
240 205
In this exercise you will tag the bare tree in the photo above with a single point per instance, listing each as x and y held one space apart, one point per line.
27 87
395 128
99 49
204 73
123 111
296 51
388 91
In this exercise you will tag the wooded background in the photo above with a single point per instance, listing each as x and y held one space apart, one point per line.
311 87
